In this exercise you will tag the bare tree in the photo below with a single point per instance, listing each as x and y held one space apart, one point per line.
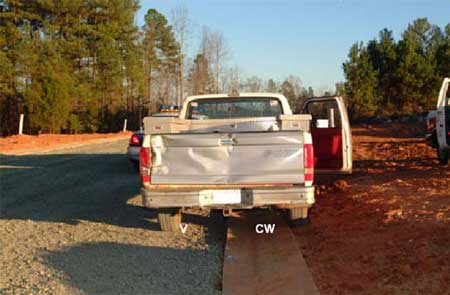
205 43
253 84
182 25
220 51
296 83
215 49
231 80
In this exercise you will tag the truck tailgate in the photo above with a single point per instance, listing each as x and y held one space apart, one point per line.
228 158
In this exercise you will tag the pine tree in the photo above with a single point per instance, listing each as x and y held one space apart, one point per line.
161 52
417 83
361 82
443 54
200 76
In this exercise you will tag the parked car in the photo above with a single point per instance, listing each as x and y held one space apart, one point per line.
438 123
242 151
135 143
134 147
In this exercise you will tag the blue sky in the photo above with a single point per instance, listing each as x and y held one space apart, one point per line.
309 39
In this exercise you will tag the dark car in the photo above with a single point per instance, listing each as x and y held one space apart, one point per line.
135 143
133 148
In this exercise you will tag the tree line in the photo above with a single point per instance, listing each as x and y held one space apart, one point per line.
84 65
76 66
389 77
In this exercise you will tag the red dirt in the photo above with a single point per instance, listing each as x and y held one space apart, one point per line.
30 143
385 229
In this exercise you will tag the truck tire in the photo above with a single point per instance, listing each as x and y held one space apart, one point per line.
443 156
298 216
169 219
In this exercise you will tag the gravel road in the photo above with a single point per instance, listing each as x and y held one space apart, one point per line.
70 223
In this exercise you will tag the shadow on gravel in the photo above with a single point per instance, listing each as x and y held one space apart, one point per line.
115 268
72 187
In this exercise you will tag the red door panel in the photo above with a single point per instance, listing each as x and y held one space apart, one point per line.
327 147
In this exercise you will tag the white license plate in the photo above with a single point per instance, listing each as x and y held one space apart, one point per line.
220 197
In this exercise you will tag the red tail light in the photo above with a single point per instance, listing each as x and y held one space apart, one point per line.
134 140
145 164
308 156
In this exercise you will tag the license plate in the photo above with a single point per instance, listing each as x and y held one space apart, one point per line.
220 197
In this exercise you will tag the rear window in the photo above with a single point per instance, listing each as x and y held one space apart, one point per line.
226 108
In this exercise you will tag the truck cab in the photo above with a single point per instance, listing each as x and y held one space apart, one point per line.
242 151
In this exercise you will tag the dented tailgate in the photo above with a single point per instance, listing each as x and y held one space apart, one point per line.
228 158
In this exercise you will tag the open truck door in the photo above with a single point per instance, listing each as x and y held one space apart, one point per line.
443 122
331 135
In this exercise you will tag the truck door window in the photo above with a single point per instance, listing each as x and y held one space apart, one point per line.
325 114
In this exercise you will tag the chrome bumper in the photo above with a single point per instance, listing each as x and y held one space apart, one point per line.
250 197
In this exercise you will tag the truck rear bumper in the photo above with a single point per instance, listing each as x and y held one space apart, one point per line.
294 196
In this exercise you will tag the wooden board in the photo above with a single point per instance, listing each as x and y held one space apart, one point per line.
264 263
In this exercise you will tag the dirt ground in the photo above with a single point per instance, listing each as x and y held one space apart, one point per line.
19 144
385 229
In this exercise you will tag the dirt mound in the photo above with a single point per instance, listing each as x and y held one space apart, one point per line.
385 228
10 144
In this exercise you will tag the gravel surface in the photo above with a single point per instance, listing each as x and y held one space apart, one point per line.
70 223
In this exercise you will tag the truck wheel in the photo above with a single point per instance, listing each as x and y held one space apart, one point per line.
169 219
443 156
298 216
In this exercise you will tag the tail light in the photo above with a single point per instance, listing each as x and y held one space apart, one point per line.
308 156
134 140
145 164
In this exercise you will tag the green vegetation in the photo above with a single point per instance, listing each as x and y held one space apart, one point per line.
84 66
386 77
80 65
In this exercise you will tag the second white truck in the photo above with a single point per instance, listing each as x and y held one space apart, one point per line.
438 121
241 151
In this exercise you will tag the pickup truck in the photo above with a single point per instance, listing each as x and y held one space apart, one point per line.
242 151
438 123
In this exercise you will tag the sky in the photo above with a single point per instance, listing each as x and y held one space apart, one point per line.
309 39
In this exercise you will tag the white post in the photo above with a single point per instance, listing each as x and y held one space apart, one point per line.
21 124
332 118
124 125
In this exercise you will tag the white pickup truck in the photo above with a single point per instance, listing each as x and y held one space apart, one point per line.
241 151
438 121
